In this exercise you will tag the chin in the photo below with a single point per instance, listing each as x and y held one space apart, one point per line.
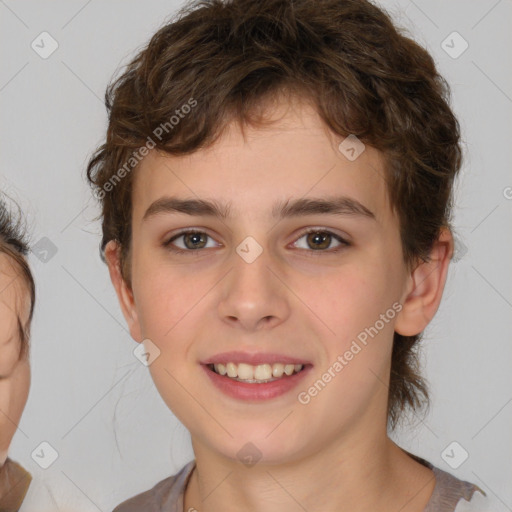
252 447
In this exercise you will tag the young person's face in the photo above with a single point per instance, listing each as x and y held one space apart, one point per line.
293 299
14 372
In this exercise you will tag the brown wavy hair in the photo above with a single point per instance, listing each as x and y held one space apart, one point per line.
363 75
14 244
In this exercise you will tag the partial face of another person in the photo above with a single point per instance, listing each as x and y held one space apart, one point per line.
14 373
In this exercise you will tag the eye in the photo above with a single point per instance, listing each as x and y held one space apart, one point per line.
193 240
320 239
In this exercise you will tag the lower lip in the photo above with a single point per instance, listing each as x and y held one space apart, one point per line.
258 392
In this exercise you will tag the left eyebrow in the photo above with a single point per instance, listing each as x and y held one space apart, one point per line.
337 205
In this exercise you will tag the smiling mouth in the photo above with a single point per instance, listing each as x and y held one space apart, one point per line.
256 374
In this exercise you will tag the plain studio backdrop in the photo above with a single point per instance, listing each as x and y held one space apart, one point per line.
91 400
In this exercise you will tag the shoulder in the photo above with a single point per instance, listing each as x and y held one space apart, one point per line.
165 495
14 484
450 491
452 494
479 503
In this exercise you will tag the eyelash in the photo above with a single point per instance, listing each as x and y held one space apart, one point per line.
313 253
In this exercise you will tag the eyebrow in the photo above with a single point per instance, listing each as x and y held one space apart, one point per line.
338 205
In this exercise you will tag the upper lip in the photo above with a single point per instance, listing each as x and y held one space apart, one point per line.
253 358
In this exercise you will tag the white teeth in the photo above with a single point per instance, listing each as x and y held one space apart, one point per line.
245 371
231 370
277 370
221 369
288 369
261 372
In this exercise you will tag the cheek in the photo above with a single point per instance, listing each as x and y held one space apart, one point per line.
356 306
22 384
348 301
166 309
165 297
13 398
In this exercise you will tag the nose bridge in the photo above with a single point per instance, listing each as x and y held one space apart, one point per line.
251 272
252 290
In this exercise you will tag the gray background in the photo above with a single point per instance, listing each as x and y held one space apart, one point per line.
90 398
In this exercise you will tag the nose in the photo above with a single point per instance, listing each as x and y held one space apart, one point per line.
254 294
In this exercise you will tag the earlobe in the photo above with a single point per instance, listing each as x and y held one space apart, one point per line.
425 288
123 291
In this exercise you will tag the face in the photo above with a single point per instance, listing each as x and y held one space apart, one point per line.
14 373
261 285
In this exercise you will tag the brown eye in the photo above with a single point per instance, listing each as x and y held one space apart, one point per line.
192 241
195 240
320 240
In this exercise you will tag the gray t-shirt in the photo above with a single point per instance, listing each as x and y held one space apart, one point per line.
450 494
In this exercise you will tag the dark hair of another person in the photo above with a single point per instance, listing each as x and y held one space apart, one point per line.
14 244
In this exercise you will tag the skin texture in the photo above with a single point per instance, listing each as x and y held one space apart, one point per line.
14 373
293 299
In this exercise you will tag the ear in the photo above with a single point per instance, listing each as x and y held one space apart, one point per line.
425 287
123 291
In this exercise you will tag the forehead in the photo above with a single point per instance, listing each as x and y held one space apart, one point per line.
295 156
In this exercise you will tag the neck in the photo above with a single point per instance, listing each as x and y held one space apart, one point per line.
355 476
